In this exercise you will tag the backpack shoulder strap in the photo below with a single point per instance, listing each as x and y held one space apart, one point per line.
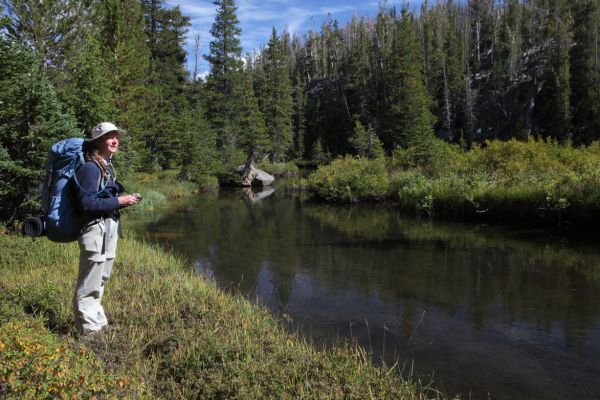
101 186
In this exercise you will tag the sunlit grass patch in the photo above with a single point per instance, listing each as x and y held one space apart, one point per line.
179 336
279 169
35 364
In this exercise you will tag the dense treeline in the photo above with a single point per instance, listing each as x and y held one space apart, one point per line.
462 71
491 70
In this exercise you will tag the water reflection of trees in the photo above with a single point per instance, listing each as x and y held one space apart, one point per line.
447 265
406 264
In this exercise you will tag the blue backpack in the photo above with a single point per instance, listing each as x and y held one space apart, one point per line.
62 220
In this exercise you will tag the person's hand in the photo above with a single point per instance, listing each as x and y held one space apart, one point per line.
127 200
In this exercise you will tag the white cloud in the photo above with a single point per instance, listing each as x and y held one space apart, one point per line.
258 17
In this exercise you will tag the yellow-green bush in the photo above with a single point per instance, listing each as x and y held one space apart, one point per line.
503 179
35 364
351 179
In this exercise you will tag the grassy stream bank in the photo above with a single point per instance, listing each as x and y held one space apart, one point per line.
178 336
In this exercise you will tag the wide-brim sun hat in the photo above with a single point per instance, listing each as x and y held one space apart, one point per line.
102 129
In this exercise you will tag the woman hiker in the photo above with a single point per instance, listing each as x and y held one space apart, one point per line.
99 200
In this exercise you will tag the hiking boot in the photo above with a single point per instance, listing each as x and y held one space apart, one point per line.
110 327
89 336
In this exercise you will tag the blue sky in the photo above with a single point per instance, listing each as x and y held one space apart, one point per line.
258 17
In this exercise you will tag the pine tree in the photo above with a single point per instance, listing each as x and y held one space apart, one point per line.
357 69
278 107
199 158
364 141
481 32
64 35
126 53
585 68
318 154
87 90
408 121
299 120
53 30
166 30
253 139
385 33
553 110
225 75
446 79
31 119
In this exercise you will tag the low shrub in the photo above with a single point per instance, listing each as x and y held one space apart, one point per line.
351 180
501 179
35 364
412 190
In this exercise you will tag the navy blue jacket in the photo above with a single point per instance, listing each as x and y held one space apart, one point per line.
91 204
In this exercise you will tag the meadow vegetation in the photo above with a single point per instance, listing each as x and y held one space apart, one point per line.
178 336
535 181
279 168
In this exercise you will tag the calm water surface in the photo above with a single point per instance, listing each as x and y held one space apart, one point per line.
481 311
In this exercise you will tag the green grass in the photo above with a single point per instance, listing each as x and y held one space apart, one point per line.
158 190
279 169
179 336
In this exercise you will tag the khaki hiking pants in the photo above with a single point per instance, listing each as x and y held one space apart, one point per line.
97 250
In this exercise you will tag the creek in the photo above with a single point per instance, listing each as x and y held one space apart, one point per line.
487 312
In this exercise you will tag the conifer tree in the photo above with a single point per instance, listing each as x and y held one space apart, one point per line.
64 36
364 141
199 158
481 32
382 49
126 52
31 119
358 70
88 88
299 120
554 110
408 121
53 30
166 29
253 138
278 107
225 75
317 153
585 71
511 39
446 81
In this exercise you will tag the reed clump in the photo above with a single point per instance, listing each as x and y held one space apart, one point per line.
178 336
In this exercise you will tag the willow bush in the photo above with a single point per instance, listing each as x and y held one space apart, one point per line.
503 179
351 180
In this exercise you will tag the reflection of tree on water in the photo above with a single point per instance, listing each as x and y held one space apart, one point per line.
245 241
402 265
450 268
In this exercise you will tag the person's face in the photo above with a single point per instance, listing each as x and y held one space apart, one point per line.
108 144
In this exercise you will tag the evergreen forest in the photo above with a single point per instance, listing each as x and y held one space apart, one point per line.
463 73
